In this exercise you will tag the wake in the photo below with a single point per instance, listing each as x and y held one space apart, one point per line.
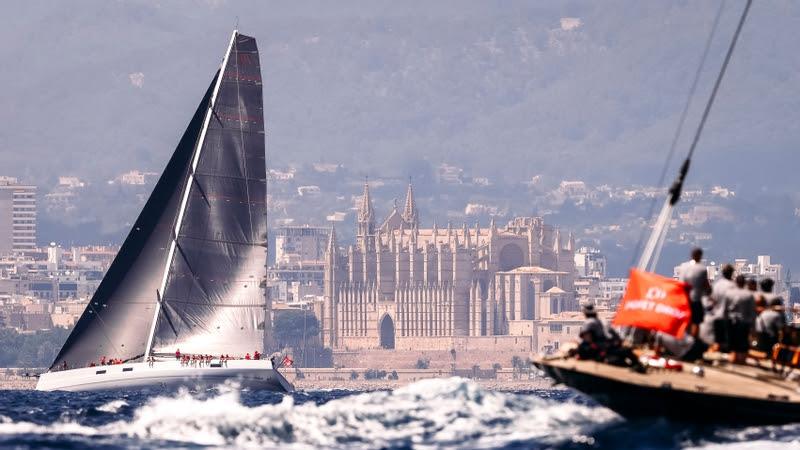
429 413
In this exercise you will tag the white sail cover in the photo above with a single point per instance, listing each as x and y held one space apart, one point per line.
213 301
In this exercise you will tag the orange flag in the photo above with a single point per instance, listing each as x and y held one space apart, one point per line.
654 302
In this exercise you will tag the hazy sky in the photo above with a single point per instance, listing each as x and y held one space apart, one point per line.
570 89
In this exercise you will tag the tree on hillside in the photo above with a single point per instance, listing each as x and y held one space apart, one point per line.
292 326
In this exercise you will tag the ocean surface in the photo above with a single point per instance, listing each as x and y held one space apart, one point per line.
443 413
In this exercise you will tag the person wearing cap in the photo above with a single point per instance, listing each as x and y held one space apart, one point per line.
695 274
770 323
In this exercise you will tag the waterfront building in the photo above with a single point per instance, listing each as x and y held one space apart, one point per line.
299 263
17 216
402 286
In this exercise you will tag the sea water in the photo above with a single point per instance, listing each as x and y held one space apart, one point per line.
439 413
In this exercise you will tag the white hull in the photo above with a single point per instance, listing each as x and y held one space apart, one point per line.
250 374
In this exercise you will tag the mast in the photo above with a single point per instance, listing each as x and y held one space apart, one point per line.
185 196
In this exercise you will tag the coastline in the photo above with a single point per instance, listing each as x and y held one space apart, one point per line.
19 382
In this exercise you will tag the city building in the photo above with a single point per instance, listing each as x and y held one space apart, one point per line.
587 290
401 286
136 178
589 262
17 216
612 290
49 287
297 275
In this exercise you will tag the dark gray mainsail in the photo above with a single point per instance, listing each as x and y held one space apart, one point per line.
116 321
213 300
189 273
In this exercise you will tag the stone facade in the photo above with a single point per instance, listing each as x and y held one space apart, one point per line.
407 287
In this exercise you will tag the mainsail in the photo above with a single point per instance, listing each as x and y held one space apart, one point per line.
213 301
189 273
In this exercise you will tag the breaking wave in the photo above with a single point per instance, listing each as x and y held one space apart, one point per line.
430 413
438 413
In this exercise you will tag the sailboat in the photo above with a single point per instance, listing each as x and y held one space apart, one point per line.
707 390
186 287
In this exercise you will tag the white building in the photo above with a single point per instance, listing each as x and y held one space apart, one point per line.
612 289
135 178
589 262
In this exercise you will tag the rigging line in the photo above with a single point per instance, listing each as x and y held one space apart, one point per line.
681 122
719 79
677 185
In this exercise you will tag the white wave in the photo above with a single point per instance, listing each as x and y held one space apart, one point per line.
772 437
113 406
7 426
753 445
438 412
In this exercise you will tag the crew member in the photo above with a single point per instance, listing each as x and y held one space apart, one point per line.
694 273
770 323
742 314
715 327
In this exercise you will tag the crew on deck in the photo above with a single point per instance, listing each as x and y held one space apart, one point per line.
695 274
770 322
742 315
602 343
733 317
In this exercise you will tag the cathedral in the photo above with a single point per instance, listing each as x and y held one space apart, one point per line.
406 287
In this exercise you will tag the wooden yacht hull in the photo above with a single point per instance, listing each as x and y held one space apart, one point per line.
718 397
165 374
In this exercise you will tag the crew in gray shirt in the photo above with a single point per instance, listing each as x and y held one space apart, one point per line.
770 323
695 274
714 329
742 314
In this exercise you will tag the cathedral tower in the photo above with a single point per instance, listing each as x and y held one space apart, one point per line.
410 217
365 234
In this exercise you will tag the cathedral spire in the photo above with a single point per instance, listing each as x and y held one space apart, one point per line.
365 209
366 220
467 241
410 208
571 242
332 241
492 227
557 241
